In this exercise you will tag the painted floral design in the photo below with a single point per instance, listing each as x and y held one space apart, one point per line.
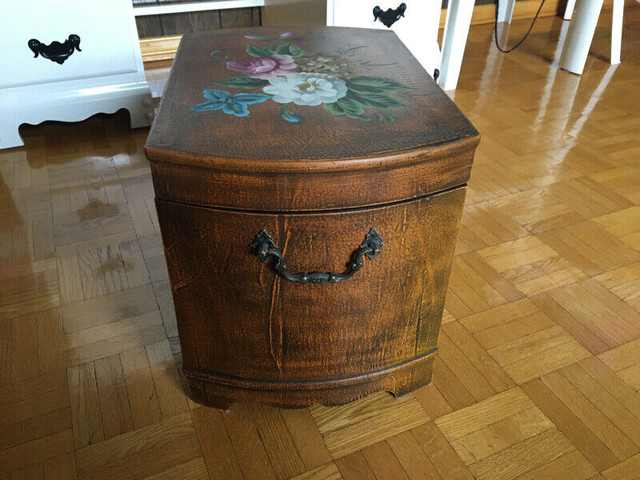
290 76
326 67
263 67
230 104
305 89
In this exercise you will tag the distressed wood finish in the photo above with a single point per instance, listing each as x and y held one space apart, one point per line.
294 343
317 186
366 184
430 120
83 279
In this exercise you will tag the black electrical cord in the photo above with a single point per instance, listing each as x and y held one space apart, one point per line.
495 30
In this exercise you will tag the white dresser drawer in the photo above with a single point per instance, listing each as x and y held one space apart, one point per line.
417 28
106 42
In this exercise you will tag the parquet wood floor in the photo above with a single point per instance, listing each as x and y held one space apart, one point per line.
538 373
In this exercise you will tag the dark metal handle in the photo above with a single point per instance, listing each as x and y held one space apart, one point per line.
389 17
265 249
55 51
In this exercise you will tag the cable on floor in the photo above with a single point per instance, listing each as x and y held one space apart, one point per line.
495 30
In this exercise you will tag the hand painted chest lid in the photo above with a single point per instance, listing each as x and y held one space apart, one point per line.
298 96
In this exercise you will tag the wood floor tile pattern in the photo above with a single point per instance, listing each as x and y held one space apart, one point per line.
538 371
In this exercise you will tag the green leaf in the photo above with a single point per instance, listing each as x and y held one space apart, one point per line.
346 106
374 84
258 51
379 101
295 51
334 108
289 49
242 82
288 115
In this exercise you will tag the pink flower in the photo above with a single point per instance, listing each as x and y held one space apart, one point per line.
263 67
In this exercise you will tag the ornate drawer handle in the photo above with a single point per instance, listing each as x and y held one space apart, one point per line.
389 17
55 51
265 248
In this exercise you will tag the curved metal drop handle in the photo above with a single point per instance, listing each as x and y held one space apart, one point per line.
389 17
265 248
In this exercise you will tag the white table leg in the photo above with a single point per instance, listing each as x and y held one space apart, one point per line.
616 31
568 11
330 21
580 35
505 10
454 41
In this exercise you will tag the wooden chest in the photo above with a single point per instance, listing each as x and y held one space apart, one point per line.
309 184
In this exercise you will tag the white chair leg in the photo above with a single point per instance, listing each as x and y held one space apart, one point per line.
505 10
580 35
454 41
568 11
616 31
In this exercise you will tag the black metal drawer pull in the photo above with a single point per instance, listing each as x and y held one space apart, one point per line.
56 51
389 17
265 248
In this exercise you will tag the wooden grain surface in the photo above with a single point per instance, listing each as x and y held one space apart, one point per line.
83 280
248 334
427 115
261 338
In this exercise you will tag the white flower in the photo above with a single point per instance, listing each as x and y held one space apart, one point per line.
305 89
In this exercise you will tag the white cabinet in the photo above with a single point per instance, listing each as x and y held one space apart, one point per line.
416 24
417 28
66 60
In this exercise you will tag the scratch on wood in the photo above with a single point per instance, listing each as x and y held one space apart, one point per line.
276 354
180 284
276 337
227 260
404 226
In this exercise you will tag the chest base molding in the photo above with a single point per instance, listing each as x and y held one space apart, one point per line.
221 391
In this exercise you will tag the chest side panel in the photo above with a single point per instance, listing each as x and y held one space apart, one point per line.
240 319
